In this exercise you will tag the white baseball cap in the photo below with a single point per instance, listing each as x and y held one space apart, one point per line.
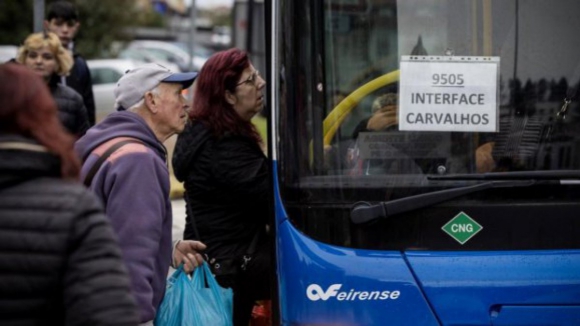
133 85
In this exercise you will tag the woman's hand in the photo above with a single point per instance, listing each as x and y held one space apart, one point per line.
187 252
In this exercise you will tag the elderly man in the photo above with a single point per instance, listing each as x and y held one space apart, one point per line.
125 165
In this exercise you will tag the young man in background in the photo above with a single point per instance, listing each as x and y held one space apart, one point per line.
62 18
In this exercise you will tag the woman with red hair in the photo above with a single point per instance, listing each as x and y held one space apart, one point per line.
225 173
59 261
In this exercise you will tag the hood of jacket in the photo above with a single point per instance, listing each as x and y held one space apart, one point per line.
119 124
189 142
22 159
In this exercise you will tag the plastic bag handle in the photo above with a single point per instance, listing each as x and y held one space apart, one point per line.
175 276
201 276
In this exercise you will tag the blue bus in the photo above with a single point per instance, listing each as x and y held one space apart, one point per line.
425 160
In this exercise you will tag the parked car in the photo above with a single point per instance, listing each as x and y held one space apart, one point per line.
174 53
221 37
146 56
104 74
7 52
200 50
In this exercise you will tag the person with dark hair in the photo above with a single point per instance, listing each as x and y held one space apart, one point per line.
62 18
133 180
60 263
44 54
384 115
226 177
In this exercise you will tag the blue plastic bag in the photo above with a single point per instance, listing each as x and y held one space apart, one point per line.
188 302
213 304
174 301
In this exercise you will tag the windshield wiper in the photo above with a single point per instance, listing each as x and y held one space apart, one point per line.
363 212
517 175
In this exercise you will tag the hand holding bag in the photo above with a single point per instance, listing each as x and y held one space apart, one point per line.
199 301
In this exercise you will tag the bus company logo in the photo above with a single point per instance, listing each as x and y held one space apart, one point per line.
314 292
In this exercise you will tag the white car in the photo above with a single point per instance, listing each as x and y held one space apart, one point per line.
174 52
146 56
221 36
104 74
8 52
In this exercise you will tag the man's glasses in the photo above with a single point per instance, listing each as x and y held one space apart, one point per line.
252 79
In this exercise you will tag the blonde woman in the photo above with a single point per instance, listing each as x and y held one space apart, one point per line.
45 55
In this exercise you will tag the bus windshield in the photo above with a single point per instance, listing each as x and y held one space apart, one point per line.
384 99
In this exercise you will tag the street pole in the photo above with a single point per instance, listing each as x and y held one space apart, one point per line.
250 32
38 15
193 13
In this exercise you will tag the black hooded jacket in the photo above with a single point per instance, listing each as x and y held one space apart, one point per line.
79 79
71 109
60 263
227 189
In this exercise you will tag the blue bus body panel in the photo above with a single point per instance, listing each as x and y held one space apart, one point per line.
501 288
537 315
321 284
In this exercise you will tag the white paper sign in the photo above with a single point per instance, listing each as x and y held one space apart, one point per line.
449 93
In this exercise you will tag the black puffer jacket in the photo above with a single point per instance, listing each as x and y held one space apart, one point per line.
59 260
71 109
79 79
227 188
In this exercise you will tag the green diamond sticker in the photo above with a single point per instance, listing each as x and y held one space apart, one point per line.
462 228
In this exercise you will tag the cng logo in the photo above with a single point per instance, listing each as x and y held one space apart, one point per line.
462 228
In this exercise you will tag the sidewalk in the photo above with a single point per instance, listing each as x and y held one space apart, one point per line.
178 206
